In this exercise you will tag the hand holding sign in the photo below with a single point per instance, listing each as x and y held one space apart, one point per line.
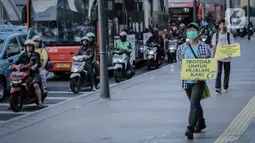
198 69
228 51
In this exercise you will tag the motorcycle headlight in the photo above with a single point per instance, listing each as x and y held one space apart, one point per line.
74 70
118 61
76 67
203 39
16 81
171 48
150 52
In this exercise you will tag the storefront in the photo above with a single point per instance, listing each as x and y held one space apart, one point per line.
213 10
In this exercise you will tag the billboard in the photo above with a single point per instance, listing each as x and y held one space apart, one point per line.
180 3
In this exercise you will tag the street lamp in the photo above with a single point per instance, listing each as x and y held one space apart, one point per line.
195 11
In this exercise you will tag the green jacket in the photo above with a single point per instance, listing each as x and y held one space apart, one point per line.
123 45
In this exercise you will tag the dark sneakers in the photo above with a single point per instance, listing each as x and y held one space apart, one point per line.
218 90
189 133
200 126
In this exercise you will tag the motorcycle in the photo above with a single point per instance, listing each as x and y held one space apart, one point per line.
120 63
152 57
251 31
181 41
79 76
203 38
171 53
242 32
22 91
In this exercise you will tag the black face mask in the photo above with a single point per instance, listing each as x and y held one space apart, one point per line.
123 38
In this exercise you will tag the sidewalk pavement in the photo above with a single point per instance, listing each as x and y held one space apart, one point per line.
151 108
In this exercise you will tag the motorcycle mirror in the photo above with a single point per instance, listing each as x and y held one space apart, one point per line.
10 60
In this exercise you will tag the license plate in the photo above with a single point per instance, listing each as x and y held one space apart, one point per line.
63 65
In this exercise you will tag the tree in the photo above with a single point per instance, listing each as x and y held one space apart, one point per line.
252 10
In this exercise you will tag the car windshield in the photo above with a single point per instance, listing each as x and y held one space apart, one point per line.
56 36
6 30
1 45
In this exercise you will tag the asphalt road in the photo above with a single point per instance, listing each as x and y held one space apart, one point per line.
59 91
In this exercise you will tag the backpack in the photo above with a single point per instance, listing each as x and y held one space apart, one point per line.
217 37
49 64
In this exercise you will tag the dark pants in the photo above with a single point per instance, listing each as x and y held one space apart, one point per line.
129 65
160 53
194 93
89 68
227 68
95 66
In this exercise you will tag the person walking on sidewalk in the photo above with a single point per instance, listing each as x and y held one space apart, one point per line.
222 38
194 88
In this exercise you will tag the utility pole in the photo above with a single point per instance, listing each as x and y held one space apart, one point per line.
28 14
228 14
195 11
104 82
248 15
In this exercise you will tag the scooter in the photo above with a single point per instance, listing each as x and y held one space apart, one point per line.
171 53
242 32
120 63
152 58
22 91
79 76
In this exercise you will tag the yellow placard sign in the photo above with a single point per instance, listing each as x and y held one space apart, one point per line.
199 69
226 51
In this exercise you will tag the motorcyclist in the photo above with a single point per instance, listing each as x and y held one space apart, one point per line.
174 34
123 44
206 31
44 61
88 51
29 56
94 46
156 38
182 31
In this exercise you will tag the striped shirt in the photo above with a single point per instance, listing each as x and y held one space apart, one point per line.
204 51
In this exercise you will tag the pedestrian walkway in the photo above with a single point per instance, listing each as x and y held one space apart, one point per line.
151 108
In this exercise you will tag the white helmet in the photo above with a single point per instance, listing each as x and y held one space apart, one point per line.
90 34
182 25
123 33
37 38
29 42
84 38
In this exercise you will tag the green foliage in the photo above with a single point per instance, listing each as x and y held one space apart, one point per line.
252 10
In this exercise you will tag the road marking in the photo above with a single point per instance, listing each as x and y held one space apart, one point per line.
62 92
237 127
10 112
64 98
30 105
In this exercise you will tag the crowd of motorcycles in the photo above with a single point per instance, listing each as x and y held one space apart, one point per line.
242 32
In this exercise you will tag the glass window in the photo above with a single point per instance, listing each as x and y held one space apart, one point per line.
7 30
22 40
12 48
1 45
